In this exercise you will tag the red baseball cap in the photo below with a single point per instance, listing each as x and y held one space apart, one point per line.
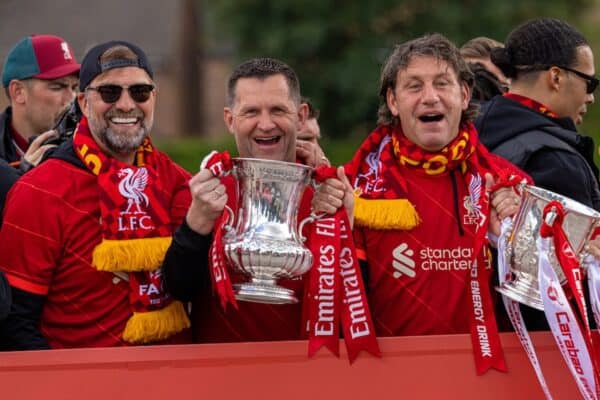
39 56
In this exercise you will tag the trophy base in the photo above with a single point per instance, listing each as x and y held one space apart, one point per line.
264 291
523 294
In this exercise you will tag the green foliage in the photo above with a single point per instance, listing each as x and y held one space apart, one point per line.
337 47
189 151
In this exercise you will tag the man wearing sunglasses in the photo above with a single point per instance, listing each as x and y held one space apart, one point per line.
85 233
551 67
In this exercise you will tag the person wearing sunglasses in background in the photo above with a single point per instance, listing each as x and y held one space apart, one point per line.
551 67
85 268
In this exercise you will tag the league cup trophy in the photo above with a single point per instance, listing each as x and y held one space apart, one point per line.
521 251
263 239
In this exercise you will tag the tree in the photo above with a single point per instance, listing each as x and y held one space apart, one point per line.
337 47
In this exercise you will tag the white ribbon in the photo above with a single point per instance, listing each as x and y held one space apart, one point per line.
564 325
513 310
594 287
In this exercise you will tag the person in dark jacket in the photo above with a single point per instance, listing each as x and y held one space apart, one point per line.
39 77
533 125
551 67
8 176
5 297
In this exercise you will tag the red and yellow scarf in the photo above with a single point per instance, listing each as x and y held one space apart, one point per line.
530 103
136 233
376 173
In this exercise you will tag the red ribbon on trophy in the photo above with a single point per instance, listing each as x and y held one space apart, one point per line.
336 292
219 164
485 338
577 348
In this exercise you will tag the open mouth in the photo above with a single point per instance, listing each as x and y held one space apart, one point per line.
124 121
431 117
267 141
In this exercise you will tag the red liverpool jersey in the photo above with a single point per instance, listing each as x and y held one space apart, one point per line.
417 278
51 226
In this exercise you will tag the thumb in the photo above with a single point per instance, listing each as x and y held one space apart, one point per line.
489 181
341 174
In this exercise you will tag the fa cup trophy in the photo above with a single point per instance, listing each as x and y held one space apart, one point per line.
263 240
521 251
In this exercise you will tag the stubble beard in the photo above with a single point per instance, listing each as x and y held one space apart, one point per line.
119 143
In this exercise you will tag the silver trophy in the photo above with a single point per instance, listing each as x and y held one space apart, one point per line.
521 251
263 240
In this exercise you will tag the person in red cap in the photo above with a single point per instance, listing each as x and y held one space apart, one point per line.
40 81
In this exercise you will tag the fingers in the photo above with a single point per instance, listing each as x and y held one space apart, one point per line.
594 248
341 174
505 202
310 154
36 150
209 197
495 223
37 142
207 188
489 181
329 197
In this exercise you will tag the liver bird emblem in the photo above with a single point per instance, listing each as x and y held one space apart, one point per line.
132 187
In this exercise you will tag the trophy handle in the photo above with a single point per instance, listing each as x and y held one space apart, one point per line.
311 218
229 224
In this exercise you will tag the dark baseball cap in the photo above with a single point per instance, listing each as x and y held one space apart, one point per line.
39 56
91 66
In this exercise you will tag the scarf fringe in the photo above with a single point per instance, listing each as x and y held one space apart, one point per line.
152 326
385 214
133 255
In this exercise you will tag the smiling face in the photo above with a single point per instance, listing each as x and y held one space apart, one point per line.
429 100
264 119
119 128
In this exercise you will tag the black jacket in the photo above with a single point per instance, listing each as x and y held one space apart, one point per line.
5 297
8 176
8 150
549 149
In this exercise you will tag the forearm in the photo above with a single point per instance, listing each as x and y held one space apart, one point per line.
185 268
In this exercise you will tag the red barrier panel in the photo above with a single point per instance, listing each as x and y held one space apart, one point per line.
423 367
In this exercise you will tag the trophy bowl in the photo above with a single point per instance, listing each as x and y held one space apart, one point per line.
264 241
521 251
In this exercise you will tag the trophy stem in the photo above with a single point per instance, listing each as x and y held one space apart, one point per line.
264 290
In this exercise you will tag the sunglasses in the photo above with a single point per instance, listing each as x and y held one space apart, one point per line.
112 93
591 81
